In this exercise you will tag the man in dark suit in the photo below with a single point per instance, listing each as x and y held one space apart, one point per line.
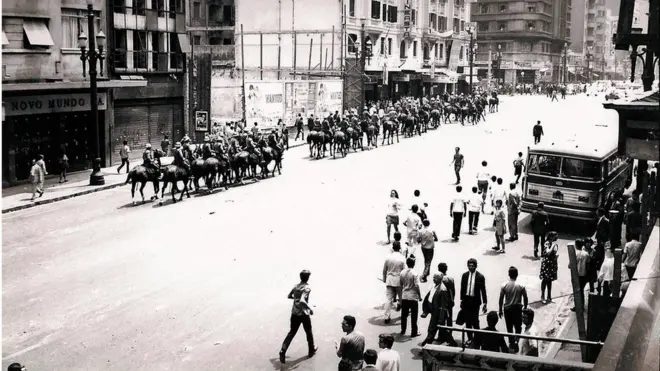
437 303
601 236
473 295
451 287
540 222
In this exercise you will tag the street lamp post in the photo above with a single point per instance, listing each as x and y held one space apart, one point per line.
472 51
499 63
363 49
92 56
565 62
589 57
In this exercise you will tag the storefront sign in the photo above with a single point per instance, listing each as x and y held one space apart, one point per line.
201 121
407 12
36 105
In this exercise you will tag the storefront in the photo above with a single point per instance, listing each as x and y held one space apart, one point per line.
49 124
439 83
405 84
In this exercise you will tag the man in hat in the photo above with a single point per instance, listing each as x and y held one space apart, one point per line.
186 139
179 159
148 157
301 313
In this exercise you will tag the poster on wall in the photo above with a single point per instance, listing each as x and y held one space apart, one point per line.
328 98
201 121
264 103
297 101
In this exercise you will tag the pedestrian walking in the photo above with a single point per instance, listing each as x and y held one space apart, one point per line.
518 166
482 181
513 299
37 176
299 127
634 220
499 223
475 207
549 267
413 224
554 96
301 313
457 212
165 145
42 163
499 192
606 272
582 260
592 264
388 359
540 222
537 132
473 296
513 206
529 347
451 287
490 342
394 264
392 217
602 236
123 154
411 296
427 239
351 347
458 162
64 165
436 302
632 252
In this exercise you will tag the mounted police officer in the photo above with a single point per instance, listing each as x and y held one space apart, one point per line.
179 158
148 158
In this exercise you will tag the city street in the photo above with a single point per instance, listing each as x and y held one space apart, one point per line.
93 283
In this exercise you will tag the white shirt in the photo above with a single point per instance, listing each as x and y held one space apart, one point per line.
419 202
475 202
470 284
607 270
413 223
392 268
388 360
459 206
499 193
483 176
528 344
393 206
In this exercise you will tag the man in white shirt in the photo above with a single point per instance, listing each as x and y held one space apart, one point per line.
388 359
529 347
457 212
606 273
499 193
483 178
632 252
392 268
475 207
413 225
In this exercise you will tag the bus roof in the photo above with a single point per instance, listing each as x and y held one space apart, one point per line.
594 146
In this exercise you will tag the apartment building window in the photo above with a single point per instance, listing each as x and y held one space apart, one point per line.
159 5
503 8
547 8
392 14
457 25
197 40
546 26
140 49
382 45
402 49
375 9
462 26
176 7
525 47
483 26
484 9
121 49
501 26
442 24
531 8
414 48
139 7
351 8
74 22
440 50
460 53
35 34
389 46
176 52
531 25
426 54
433 21
352 40
384 13
197 10
413 17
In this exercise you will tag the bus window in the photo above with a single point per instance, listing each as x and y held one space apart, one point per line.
544 165
581 169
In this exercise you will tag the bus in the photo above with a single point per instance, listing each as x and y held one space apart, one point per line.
574 179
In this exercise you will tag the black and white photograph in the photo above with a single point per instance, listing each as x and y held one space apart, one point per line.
320 185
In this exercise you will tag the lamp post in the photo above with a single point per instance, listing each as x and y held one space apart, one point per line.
473 49
92 56
589 57
499 63
565 62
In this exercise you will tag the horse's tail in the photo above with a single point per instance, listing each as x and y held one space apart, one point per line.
129 177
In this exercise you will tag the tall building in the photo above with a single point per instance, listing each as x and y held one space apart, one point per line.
530 37
597 40
418 45
578 26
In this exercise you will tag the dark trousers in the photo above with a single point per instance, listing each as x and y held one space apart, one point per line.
630 271
458 220
470 310
428 258
296 321
513 224
537 139
409 307
483 188
607 289
513 320
299 132
128 165
457 170
443 335
539 239
473 219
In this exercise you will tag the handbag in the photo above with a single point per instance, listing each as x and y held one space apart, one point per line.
460 318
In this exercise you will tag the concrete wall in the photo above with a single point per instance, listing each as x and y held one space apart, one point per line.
42 64
226 95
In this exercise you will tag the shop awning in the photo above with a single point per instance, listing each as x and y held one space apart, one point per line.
5 41
102 84
447 72
184 43
409 65
37 32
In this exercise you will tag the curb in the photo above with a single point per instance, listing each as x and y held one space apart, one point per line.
93 190
61 198
554 348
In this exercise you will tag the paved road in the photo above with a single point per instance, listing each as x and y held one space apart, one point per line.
95 284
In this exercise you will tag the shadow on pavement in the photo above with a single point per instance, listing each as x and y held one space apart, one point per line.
378 321
290 365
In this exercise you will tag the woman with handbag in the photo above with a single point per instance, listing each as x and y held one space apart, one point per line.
64 166
549 267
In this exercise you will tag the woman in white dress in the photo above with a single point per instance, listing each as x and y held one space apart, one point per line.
392 218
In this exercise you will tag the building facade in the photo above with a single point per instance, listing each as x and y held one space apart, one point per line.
45 97
597 39
530 36
417 45
578 26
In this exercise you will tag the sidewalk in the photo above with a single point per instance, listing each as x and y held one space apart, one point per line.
18 197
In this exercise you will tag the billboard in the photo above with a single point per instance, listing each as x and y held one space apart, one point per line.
328 98
264 103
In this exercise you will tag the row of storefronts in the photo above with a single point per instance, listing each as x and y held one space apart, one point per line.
39 120
411 83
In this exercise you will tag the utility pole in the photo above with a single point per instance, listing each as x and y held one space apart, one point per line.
363 65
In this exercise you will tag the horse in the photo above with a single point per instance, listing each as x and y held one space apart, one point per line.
340 140
173 174
435 118
390 129
270 154
142 174
372 134
239 163
214 168
493 104
312 138
197 172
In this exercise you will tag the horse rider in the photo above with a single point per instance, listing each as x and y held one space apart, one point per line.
179 159
186 140
274 142
148 158
251 148
317 125
206 149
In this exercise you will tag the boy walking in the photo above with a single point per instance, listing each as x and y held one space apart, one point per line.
123 153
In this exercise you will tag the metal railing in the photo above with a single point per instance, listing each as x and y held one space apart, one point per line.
521 336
